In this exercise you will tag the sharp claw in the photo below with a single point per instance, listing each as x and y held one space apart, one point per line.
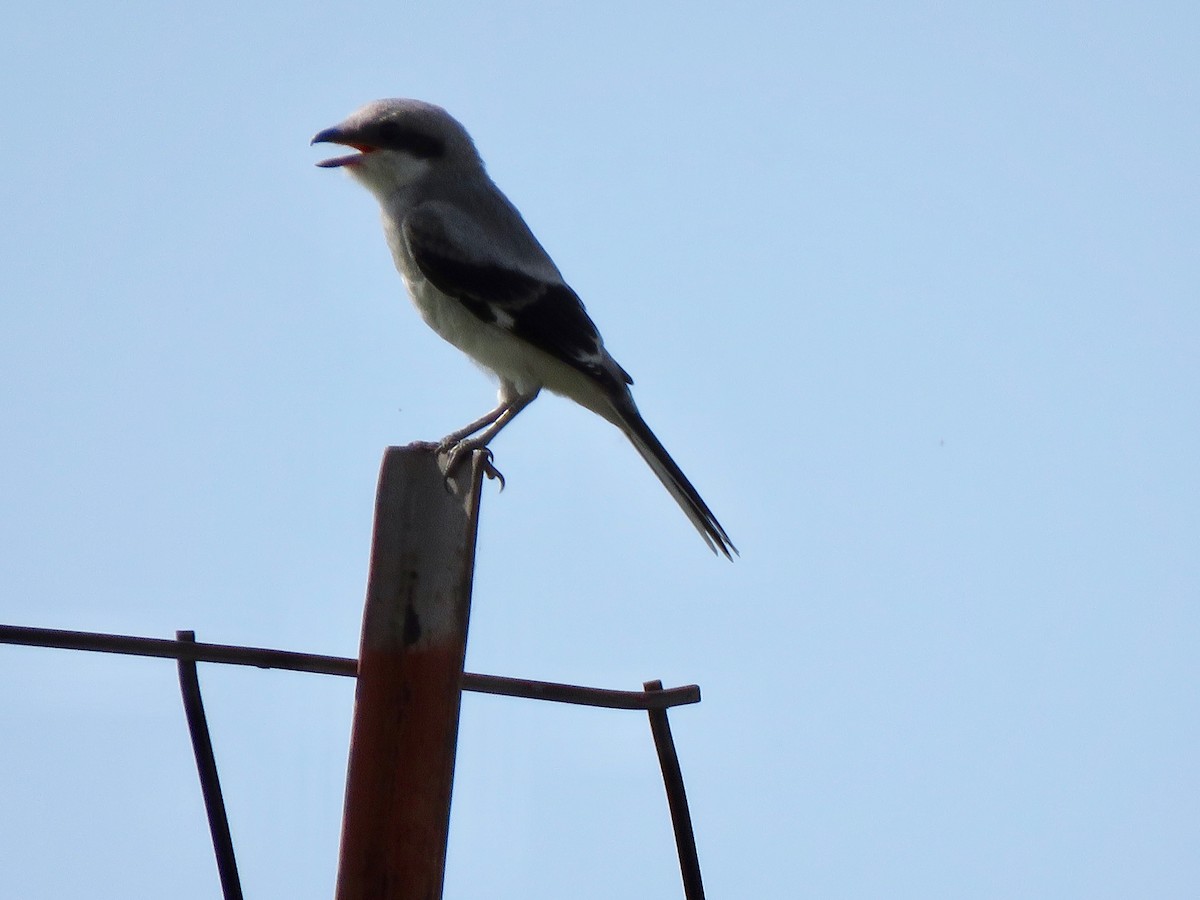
492 472
449 457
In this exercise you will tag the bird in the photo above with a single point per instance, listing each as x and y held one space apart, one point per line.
482 281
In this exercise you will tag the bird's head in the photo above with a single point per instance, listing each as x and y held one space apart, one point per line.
398 141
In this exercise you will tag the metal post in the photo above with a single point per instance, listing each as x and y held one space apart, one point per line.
681 817
401 768
206 766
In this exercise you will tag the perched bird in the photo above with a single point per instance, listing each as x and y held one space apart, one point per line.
481 280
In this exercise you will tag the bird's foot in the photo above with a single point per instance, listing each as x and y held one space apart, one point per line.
453 450
452 454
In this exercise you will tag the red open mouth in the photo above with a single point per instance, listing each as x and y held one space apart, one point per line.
351 160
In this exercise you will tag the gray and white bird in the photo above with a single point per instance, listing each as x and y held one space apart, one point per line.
481 280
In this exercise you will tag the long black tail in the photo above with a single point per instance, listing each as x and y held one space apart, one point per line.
656 456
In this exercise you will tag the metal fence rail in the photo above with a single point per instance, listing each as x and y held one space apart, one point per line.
264 658
187 651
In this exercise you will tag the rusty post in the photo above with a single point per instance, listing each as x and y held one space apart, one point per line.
401 768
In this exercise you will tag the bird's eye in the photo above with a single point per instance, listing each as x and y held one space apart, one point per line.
395 136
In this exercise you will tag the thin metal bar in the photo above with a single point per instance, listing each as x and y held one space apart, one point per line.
318 664
584 696
206 765
681 817
197 652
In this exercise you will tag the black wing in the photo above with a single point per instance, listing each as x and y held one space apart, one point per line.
546 314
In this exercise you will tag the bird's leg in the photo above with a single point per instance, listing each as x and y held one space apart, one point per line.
446 443
460 444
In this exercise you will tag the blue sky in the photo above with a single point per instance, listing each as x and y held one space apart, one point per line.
910 294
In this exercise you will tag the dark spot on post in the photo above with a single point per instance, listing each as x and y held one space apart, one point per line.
412 627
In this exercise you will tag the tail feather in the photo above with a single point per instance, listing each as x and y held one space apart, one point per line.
630 421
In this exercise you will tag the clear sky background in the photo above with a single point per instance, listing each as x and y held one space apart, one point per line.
911 295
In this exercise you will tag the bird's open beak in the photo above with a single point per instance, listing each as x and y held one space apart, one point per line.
336 136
